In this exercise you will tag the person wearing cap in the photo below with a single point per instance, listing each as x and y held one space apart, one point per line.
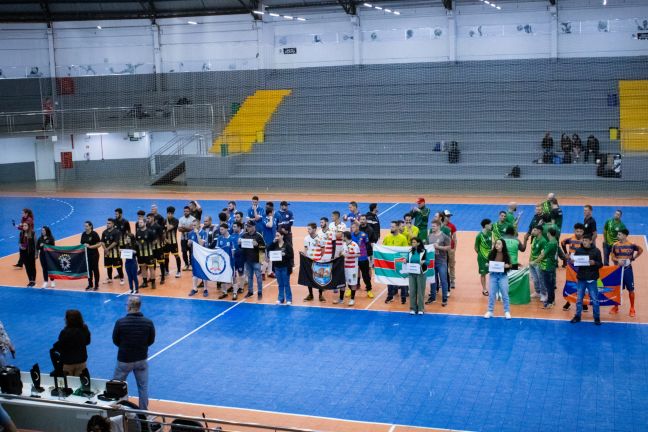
253 257
421 217
453 248
285 220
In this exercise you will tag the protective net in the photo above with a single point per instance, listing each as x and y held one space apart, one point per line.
576 125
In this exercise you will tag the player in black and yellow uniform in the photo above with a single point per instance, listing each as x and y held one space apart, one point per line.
158 242
123 226
171 240
145 238
110 243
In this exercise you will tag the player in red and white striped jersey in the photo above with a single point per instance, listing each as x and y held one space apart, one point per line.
313 249
351 252
326 236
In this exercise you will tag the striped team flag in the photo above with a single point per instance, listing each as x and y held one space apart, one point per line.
519 292
389 260
608 283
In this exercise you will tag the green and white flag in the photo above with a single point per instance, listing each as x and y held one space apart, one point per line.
519 291
389 260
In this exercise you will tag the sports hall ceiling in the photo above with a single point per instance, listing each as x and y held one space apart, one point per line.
75 10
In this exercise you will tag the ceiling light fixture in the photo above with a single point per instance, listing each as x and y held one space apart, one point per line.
192 22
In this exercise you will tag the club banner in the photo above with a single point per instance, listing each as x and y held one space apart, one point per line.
66 262
519 292
609 286
321 275
211 264
389 260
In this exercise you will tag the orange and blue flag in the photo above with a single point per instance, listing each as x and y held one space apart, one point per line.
609 286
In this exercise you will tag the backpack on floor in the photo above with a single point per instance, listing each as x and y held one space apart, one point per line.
10 381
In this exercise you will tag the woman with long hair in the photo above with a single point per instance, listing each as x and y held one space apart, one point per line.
72 342
28 252
499 279
46 239
28 217
417 281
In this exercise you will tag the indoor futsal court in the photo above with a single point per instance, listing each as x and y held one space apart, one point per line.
370 367
445 203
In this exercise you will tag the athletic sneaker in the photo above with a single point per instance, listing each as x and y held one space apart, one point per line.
249 294
222 296
205 293
235 297
121 281
289 303
186 268
278 302
89 288
597 321
507 315
548 305
31 284
321 298
420 313
575 320
338 301
567 306
370 294
309 297
178 274
543 298
488 315
52 284
259 297
107 281
445 303
193 292
448 293
535 295
45 285
389 300
96 288
412 312
351 302
166 273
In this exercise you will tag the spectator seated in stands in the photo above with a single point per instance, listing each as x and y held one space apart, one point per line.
577 145
593 148
566 146
547 149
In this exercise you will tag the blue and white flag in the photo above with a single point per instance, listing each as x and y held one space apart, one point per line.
211 264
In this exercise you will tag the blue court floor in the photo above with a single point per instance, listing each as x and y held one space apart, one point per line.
435 370
65 216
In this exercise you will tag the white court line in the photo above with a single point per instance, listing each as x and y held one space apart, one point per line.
117 296
376 298
203 325
392 428
385 211
305 415
646 242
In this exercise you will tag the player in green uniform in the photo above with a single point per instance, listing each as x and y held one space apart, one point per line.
537 245
483 246
421 217
513 246
511 218
500 227
610 231
548 261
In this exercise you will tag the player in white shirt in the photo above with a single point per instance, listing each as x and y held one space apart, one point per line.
337 224
326 236
351 252
313 250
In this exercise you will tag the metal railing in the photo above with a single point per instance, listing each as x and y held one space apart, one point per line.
156 421
173 152
116 119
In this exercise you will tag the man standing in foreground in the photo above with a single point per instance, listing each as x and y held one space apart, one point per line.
588 278
133 334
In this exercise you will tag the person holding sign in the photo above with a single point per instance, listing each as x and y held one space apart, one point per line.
253 247
587 260
416 267
499 263
282 258
129 255
623 253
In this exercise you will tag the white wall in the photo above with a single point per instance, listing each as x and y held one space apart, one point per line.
111 146
329 37
14 150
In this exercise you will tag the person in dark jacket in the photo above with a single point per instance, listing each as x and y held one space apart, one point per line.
283 268
133 334
592 148
46 239
28 252
72 343
587 278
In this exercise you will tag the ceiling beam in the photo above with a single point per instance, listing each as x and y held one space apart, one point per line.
17 17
